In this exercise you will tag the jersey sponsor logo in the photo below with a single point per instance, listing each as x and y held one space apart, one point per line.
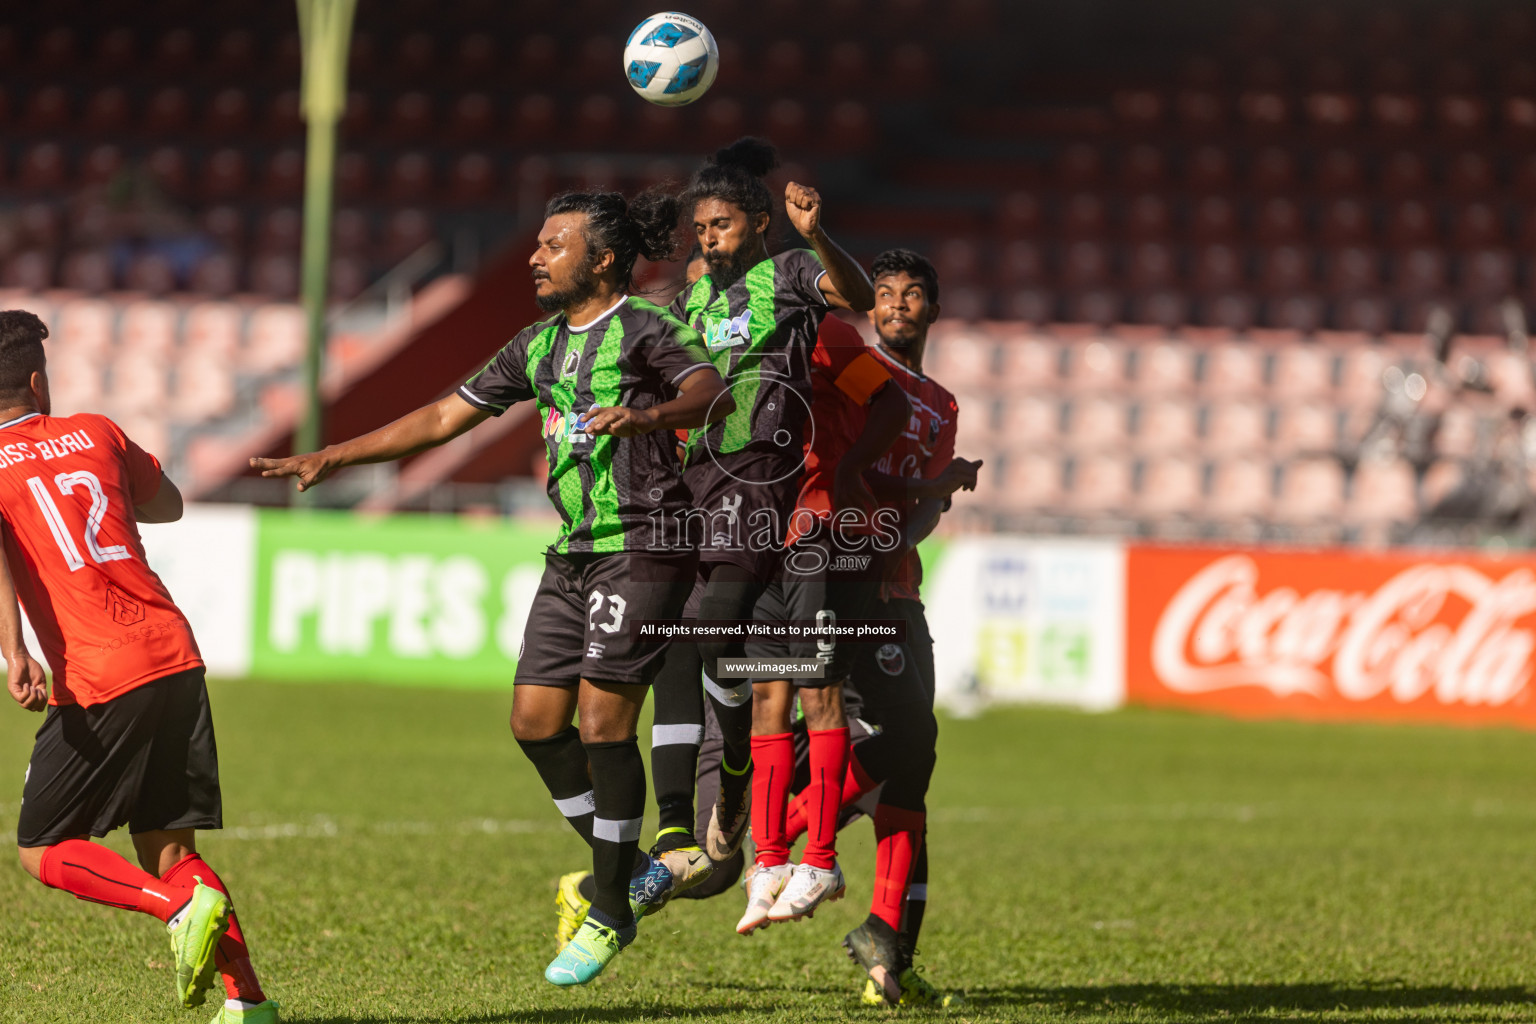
719 334
572 363
595 651
891 659
126 611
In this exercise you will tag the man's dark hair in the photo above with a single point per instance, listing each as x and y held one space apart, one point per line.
645 226
21 351
905 261
735 174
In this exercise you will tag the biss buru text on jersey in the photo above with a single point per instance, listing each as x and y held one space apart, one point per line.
47 448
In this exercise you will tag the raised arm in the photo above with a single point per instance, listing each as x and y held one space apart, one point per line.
845 284
427 427
24 678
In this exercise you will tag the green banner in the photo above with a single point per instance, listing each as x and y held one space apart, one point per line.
424 600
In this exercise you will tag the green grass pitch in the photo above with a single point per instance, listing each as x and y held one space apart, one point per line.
393 859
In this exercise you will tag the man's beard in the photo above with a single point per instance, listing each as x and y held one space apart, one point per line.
725 269
583 286
900 342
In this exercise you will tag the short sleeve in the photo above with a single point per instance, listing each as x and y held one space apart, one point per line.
144 472
504 380
842 357
669 347
800 274
944 444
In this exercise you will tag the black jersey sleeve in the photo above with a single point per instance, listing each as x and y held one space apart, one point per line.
504 380
668 347
800 274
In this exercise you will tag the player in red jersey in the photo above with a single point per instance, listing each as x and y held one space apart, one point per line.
830 573
128 736
914 479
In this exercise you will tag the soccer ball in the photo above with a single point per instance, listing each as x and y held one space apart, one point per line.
671 59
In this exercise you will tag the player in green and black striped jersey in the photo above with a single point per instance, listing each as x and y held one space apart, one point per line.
613 377
759 315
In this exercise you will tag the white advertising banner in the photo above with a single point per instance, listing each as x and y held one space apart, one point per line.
1025 619
207 561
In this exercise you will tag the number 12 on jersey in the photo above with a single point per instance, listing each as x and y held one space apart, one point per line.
66 483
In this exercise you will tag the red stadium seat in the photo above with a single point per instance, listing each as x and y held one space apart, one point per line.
275 276
1164 307
38 224
1031 481
1264 73
1096 366
1208 169
205 387
42 168
1085 264
1285 269
599 58
1264 113
1462 117
175 52
217 274
351 232
282 120
850 127
909 69
1303 312
1383 492
1030 421
226 175
279 230
1411 223
406 231
1167 425
1353 269
1470 174
1084 216
167 165
168 112
236 54
783 67
57 49
410 178
1143 167
1311 492
151 273
786 122
283 178
1021 264
1171 485
1165 368
1405 174
1241 489
473 118
1488 273
148 328
1478 225
1201 113
475 56
597 119
538 59
357 118
416 56
48 110
1419 271
107 112
1329 74
1151 265
101 164
1019 215
117 49
411 117
1519 120
1028 305
228 113
1344 222
1213 219
88 270
1306 428
1302 371
213 327
1273 170
1079 165
1139 111
348 278
472 179
354 177
1278 220
846 65
1332 114
30 270
1233 311
1100 306
1339 170
1150 218
1100 483
1216 268
1368 314
138 382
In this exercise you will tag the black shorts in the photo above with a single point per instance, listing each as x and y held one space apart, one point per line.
818 583
896 678
579 625
741 506
145 758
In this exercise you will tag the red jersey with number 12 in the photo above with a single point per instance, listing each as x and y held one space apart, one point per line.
68 486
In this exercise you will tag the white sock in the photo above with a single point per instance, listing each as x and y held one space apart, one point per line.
239 1004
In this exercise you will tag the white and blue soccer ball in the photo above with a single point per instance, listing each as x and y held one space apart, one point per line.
670 59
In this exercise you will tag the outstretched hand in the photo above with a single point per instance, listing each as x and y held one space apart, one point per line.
310 469
27 682
803 205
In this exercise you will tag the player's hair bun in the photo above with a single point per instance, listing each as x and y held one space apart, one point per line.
755 156
654 213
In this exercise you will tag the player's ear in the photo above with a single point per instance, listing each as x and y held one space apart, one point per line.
933 311
760 223
38 383
602 261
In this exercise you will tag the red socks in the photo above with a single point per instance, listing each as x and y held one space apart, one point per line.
233 958
90 871
898 837
823 798
855 785
773 770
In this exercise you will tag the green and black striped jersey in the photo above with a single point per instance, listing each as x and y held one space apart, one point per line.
760 332
606 489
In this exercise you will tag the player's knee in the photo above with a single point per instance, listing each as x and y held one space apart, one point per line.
32 860
530 728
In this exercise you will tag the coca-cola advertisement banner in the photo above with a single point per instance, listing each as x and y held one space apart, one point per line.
1333 634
